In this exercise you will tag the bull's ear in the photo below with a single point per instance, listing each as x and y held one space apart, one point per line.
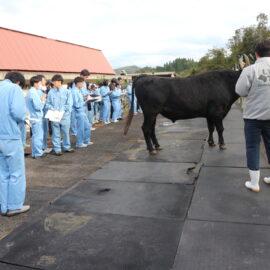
247 61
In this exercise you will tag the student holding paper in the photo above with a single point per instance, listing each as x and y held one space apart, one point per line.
35 102
83 127
60 100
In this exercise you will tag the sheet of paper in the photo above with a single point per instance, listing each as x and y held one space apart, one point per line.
54 116
98 99
27 121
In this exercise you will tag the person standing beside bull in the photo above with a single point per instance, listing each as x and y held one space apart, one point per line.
116 102
129 95
254 84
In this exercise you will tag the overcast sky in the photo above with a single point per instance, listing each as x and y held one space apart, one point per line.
139 32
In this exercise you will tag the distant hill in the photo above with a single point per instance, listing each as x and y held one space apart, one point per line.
128 69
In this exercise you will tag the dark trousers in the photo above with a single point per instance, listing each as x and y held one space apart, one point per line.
254 130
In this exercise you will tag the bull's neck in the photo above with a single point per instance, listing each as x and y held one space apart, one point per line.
234 96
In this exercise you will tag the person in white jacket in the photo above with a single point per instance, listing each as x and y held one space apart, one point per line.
254 84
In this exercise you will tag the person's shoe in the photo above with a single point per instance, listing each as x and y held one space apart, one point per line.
93 129
48 150
3 214
266 180
69 150
107 123
57 153
27 145
135 113
119 119
89 143
82 146
11 213
115 121
253 184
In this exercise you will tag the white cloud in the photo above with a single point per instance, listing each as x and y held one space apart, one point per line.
141 32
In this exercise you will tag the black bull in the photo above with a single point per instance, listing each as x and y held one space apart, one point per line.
208 95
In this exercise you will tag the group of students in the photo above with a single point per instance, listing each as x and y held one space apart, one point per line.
81 105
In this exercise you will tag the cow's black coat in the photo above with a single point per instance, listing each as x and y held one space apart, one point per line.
208 95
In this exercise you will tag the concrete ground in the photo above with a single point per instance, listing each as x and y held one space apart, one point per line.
51 176
112 206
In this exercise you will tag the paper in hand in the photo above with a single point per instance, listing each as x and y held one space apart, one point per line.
54 116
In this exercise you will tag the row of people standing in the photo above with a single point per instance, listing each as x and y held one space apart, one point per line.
81 103
39 101
42 97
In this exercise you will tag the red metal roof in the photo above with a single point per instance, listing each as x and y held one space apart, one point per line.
26 52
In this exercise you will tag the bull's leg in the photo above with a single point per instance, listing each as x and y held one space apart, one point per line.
149 121
154 138
211 129
220 129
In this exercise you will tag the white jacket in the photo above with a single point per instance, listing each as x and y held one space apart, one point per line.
254 84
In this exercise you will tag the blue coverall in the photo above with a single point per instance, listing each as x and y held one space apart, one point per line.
73 124
45 123
96 107
12 168
83 127
116 103
90 113
60 100
129 93
105 110
35 107
22 128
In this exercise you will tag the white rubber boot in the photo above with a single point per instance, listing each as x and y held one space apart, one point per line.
253 184
266 180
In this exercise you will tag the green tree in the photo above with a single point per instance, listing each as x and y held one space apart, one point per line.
246 38
215 59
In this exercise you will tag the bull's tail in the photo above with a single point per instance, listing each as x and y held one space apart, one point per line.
131 112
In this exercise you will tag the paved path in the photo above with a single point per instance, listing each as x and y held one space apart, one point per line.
185 208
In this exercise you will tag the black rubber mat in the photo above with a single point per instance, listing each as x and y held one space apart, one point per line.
129 198
4 266
183 151
232 136
220 195
155 172
234 156
223 246
181 135
78 240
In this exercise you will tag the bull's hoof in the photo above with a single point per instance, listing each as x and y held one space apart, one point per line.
223 147
152 153
212 144
159 148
